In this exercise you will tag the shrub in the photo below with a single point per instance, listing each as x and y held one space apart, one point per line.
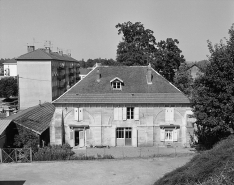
55 152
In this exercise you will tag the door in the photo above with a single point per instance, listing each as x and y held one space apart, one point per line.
81 136
128 136
77 138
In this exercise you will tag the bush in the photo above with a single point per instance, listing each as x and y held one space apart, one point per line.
52 153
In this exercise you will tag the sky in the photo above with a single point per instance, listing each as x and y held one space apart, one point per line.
87 27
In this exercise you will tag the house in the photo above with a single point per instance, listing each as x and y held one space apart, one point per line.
122 106
44 75
37 119
10 67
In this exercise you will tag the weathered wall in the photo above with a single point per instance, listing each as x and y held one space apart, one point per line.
102 126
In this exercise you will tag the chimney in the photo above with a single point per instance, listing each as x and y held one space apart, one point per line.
61 52
149 74
98 75
31 48
47 49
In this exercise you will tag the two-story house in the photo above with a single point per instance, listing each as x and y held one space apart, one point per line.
122 106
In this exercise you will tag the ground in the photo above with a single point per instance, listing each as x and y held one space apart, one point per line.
131 171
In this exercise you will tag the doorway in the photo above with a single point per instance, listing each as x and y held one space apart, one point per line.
77 138
124 136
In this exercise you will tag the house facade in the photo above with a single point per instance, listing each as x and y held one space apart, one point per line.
122 106
10 68
44 75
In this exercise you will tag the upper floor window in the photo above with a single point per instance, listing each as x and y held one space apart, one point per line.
130 112
116 83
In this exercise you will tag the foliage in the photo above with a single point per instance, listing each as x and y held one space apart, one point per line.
54 152
92 62
168 58
213 95
205 167
139 47
183 80
8 87
26 138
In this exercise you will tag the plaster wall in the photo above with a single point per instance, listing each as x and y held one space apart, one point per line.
34 82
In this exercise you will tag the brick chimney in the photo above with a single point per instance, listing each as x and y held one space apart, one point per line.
30 48
47 49
149 74
98 75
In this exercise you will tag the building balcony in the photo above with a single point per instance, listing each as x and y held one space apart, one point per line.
61 76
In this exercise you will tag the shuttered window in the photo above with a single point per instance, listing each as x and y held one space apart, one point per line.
78 114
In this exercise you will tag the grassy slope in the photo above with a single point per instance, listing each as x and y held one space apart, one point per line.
215 167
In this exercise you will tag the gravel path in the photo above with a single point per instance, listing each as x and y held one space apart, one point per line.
135 171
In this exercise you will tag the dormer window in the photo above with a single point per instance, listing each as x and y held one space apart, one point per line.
116 83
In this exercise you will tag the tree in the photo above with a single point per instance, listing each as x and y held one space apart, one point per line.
8 87
213 97
168 58
183 80
139 47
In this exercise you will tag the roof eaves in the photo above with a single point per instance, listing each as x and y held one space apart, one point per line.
27 127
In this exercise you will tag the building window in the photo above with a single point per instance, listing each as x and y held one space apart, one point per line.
116 85
130 112
120 133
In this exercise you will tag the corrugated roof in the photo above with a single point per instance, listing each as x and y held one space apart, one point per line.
35 118
41 54
134 79
3 125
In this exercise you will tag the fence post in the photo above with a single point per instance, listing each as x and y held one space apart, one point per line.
0 155
15 155
30 149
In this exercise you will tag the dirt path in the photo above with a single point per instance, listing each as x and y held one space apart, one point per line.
102 172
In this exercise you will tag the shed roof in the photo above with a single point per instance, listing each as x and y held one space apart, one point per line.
35 118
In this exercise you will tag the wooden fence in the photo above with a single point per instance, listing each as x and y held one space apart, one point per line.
15 155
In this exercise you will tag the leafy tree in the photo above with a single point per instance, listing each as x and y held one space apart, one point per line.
168 58
213 97
183 80
8 87
139 47
26 138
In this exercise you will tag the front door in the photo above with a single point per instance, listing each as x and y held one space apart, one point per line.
128 136
77 138
124 136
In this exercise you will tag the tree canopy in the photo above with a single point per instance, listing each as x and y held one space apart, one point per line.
213 95
8 87
139 47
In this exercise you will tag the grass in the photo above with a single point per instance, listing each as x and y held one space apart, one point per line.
213 167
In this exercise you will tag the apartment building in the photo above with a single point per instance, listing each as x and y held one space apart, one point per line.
45 75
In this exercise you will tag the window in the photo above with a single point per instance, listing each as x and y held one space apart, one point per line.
116 85
120 133
130 112
78 114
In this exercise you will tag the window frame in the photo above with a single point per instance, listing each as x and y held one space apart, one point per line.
130 113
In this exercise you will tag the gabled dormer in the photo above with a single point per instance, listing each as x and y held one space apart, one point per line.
116 83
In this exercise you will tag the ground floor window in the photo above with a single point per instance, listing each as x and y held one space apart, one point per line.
168 134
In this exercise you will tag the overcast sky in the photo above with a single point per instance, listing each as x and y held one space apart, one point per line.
87 27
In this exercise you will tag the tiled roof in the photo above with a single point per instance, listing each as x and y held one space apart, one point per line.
84 71
35 118
10 61
41 54
134 90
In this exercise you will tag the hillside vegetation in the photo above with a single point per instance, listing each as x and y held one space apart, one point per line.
213 167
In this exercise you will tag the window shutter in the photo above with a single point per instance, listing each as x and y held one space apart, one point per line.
162 134
76 112
175 135
134 137
136 113
120 114
116 114
80 114
124 113
169 114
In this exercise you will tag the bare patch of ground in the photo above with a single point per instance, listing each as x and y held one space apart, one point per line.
135 171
